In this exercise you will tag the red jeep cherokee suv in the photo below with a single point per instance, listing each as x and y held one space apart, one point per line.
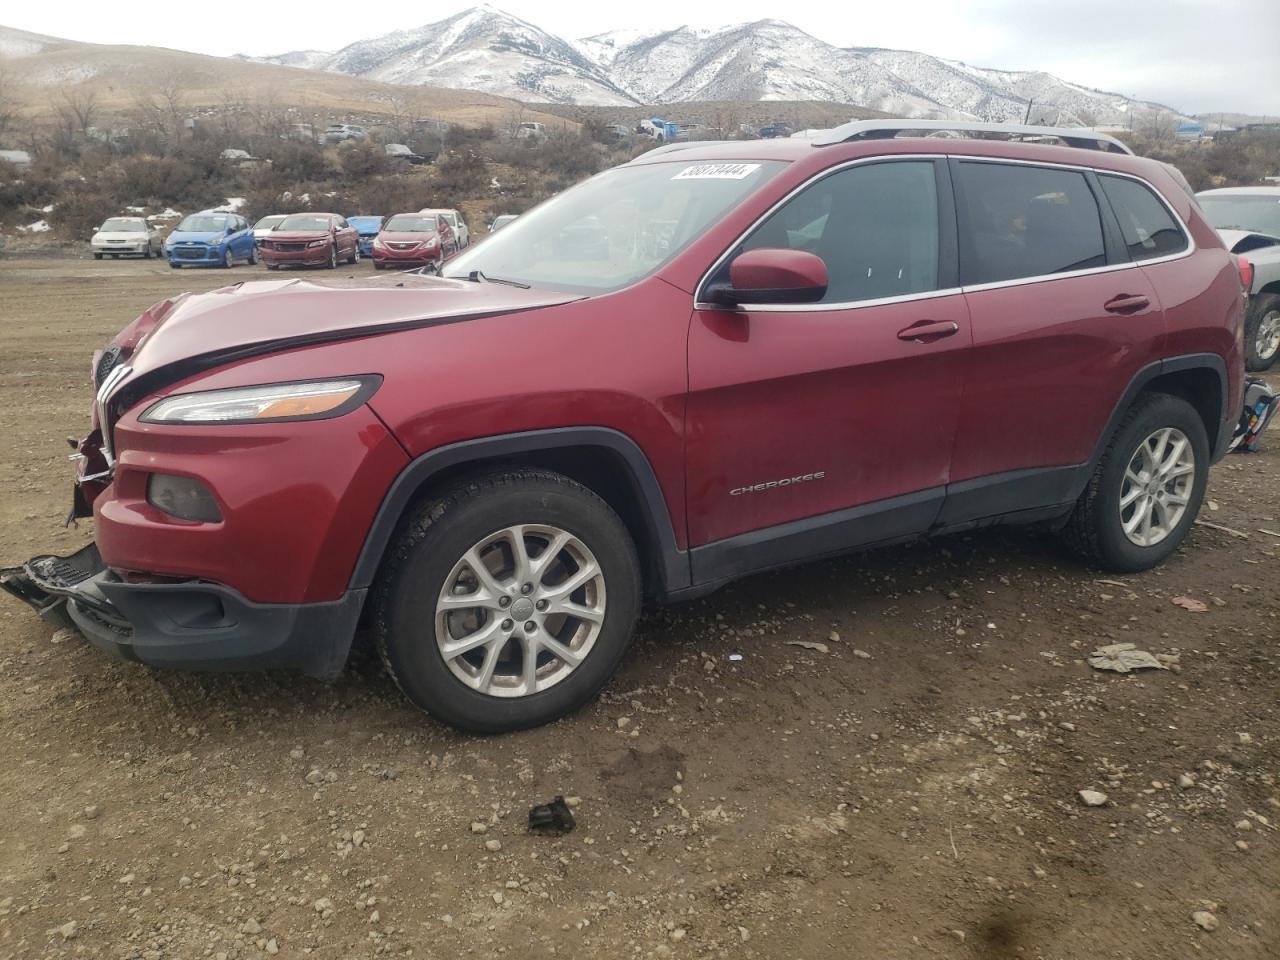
713 360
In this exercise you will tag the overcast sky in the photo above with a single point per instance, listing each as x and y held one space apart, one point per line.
1196 55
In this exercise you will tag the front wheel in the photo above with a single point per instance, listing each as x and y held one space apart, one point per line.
507 601
97 256
253 255
333 257
1146 490
355 256
228 261
1262 332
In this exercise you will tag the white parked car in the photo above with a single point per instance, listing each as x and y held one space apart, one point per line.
266 225
455 220
1248 220
126 235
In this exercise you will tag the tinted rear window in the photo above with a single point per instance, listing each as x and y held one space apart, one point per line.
1148 227
1020 221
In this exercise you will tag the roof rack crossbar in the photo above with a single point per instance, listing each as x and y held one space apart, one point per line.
1079 137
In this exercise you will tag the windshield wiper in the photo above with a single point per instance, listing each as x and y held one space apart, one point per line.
475 276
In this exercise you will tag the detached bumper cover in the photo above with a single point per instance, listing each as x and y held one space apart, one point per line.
192 625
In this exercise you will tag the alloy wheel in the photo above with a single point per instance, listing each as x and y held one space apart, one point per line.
1267 341
520 610
1157 485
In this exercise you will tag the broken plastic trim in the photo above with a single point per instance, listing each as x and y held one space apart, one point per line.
553 817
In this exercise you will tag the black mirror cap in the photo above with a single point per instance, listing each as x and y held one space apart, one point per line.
727 295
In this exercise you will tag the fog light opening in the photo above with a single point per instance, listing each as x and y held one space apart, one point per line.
182 497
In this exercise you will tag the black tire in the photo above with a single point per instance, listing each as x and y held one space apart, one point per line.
423 554
1094 529
146 254
379 266
355 256
253 255
97 256
333 258
1260 306
228 259
175 266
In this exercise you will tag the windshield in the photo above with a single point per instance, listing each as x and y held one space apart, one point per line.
266 223
616 228
303 222
123 225
202 224
1260 214
412 224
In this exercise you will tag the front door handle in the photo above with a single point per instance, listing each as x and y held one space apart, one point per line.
1126 303
927 331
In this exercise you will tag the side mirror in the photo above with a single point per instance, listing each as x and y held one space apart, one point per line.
772 275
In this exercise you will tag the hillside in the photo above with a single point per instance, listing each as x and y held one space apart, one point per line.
40 67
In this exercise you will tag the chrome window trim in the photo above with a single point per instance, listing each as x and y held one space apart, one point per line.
700 304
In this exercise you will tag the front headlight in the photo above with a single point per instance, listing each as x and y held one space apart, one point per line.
310 400
317 243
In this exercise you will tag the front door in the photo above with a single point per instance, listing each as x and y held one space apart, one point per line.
814 428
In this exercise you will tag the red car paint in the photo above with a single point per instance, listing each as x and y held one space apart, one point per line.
856 407
310 248
414 248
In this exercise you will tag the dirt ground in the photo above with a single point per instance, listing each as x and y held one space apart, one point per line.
910 791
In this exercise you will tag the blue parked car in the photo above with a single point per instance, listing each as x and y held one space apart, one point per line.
367 228
211 239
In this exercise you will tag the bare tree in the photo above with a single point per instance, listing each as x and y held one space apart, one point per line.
8 100
76 108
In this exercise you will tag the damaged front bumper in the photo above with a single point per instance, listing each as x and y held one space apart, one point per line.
192 625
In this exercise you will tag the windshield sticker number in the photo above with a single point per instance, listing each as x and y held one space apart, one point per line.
717 171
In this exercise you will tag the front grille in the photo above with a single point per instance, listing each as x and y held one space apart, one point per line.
401 246
106 363
189 253
290 246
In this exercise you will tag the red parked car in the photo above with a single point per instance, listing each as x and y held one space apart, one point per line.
310 240
414 240
764 352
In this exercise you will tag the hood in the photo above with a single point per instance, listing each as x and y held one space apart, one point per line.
205 330
366 226
196 236
406 236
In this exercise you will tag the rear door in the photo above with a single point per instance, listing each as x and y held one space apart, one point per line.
1062 320
816 427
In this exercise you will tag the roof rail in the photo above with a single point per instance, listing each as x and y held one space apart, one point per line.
887 129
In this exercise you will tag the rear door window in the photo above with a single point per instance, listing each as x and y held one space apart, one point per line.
1148 228
1019 221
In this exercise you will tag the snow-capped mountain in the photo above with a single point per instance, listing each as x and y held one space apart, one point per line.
486 49
479 49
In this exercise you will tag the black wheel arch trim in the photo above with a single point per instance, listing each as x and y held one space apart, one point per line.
1220 433
671 562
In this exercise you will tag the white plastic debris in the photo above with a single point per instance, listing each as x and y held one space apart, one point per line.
1122 658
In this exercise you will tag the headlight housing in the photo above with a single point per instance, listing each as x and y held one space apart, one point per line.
268 403
318 243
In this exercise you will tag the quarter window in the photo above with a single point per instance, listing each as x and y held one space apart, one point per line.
1020 221
1148 228
874 225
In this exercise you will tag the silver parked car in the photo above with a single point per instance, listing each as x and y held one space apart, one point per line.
1248 220
119 236
266 225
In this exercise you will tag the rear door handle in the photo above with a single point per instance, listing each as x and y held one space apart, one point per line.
926 331
1126 303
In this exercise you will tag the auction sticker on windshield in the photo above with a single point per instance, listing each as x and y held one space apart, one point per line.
717 171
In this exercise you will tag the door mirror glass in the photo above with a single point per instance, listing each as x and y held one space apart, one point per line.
772 275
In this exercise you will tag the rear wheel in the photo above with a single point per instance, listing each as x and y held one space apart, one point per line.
1262 332
1147 488
508 601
